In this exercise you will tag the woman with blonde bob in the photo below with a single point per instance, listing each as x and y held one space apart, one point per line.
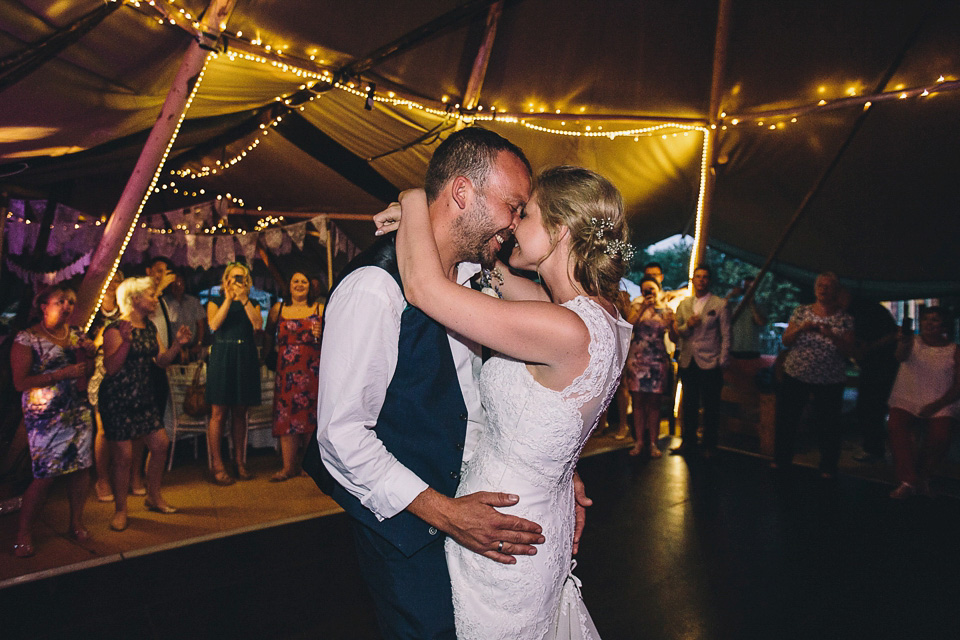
127 404
233 372
561 347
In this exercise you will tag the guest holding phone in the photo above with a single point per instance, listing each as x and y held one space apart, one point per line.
233 373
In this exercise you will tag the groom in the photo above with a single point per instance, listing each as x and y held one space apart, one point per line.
399 408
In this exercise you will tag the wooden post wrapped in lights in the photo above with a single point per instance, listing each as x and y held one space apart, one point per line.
123 221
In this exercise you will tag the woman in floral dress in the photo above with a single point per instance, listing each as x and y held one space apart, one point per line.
647 365
51 362
127 402
298 331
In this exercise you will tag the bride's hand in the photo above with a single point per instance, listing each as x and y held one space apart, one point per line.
387 220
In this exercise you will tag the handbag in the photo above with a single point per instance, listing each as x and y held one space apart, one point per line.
195 398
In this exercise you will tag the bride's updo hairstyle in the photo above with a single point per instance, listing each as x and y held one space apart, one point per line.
592 209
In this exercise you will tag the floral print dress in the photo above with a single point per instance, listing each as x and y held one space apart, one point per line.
648 362
128 406
298 363
57 417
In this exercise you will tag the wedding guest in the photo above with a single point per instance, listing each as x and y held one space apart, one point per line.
648 365
160 270
295 325
926 391
50 362
126 400
703 324
621 401
108 312
233 371
745 330
820 337
185 310
875 341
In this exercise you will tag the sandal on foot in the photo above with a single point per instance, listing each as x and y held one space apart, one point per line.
635 451
103 495
165 509
221 478
243 474
655 453
138 492
119 522
280 476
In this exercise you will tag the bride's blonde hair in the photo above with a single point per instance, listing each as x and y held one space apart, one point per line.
591 208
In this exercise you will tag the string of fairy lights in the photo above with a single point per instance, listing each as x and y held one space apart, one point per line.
320 79
171 13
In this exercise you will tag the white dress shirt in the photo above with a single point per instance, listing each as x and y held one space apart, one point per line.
358 358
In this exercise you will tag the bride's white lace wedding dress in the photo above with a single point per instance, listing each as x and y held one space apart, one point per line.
530 447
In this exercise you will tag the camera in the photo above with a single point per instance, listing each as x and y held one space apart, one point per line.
238 279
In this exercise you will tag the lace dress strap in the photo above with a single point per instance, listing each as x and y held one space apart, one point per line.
591 384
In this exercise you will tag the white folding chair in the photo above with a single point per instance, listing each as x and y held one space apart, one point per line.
261 417
183 426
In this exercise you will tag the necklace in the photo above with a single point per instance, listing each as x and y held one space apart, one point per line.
66 332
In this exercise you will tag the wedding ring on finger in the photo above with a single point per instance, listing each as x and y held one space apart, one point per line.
500 547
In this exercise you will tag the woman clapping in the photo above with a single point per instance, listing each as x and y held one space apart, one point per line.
127 403
50 363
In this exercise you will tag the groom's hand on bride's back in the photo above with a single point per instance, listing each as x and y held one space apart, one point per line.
474 522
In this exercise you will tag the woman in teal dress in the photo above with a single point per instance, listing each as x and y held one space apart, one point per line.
51 362
233 371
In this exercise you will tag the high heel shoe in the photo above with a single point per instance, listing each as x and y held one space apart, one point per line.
80 535
243 474
157 508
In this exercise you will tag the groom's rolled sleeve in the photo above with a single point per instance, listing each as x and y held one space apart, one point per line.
359 357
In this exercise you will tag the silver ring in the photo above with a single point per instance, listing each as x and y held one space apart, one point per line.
500 546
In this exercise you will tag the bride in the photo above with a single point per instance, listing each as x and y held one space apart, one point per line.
561 347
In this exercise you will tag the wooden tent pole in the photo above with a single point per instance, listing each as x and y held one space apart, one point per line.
708 172
19 65
472 95
124 218
329 227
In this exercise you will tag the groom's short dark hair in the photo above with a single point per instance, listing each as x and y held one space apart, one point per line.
469 152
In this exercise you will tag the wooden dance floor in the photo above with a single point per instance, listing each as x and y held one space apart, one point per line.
674 549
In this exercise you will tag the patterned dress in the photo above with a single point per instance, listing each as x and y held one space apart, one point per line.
57 417
127 402
298 361
648 361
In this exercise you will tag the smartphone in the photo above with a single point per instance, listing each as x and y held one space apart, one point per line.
907 327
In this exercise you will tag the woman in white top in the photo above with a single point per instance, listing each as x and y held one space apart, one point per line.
927 390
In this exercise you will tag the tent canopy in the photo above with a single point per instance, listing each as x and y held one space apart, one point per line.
75 115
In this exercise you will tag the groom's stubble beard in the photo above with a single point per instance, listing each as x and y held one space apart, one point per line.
473 231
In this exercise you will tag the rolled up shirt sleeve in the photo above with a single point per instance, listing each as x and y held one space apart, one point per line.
359 357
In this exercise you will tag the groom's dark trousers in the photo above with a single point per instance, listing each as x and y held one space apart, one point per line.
423 424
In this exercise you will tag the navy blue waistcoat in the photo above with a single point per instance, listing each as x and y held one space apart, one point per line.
423 420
